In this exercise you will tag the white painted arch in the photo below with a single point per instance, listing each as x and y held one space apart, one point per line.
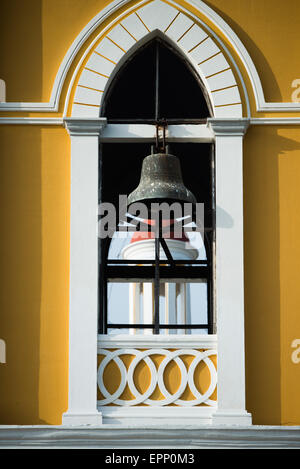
195 43
112 8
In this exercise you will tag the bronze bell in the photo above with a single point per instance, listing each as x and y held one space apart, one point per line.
161 178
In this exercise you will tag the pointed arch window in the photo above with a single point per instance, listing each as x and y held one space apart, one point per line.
156 86
156 83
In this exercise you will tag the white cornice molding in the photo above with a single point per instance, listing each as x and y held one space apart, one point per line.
278 107
53 104
228 127
122 132
279 121
29 107
77 127
31 121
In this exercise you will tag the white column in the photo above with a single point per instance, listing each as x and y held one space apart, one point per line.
229 135
83 314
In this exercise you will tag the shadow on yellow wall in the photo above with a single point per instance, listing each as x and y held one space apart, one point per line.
35 186
264 194
21 51
252 42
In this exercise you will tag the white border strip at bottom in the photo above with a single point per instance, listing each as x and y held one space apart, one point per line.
141 437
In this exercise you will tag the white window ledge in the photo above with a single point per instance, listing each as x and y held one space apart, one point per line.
176 341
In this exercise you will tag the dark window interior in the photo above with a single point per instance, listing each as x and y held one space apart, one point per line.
132 94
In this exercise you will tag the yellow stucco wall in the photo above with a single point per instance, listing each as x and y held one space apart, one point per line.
36 34
35 199
35 196
272 298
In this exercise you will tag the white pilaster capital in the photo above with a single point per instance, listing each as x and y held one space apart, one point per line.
87 127
228 127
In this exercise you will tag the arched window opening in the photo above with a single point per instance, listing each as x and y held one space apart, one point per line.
156 84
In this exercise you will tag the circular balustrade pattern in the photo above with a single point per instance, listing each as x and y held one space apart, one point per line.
157 377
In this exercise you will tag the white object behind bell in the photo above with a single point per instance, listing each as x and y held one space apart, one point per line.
139 250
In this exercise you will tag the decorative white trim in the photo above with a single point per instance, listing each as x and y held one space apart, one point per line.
135 341
217 21
231 417
142 347
28 107
228 127
278 107
92 127
229 288
280 121
157 377
156 18
156 415
140 436
31 121
83 315
197 133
